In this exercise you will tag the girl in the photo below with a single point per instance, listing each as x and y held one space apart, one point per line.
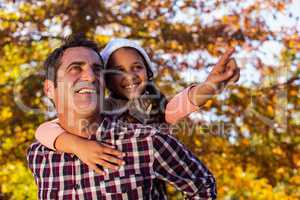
135 99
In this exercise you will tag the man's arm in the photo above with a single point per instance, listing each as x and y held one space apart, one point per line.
175 164
35 158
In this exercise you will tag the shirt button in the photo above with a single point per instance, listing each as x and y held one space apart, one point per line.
76 187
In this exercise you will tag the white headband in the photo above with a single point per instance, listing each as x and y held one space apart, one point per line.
116 44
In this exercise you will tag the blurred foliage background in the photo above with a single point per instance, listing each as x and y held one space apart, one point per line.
249 136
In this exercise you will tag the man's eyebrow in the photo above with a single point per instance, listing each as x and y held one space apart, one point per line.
75 63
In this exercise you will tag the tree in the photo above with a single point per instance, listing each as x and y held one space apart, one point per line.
256 157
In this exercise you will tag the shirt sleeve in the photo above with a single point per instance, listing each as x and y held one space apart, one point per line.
47 133
179 107
175 164
35 157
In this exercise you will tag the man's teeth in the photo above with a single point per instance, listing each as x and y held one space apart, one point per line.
89 91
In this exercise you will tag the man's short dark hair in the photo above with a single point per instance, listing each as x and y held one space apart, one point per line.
53 61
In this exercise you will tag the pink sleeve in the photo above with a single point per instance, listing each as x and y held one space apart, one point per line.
47 133
179 107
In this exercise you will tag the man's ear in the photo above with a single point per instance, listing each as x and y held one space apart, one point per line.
49 89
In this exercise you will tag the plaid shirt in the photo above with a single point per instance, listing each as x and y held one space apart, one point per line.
150 155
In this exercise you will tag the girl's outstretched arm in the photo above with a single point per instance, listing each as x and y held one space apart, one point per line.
191 98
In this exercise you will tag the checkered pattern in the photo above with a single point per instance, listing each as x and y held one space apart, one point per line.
150 155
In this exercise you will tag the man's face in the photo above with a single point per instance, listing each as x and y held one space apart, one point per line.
79 82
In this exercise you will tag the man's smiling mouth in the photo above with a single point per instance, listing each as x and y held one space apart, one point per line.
85 88
86 91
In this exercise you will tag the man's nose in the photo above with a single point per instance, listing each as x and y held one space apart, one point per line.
89 75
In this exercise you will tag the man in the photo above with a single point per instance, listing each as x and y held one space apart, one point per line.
74 86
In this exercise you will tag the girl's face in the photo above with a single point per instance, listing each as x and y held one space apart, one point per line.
127 73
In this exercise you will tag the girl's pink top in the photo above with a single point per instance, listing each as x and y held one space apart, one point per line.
177 108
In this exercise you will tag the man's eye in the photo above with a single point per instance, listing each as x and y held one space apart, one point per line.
75 69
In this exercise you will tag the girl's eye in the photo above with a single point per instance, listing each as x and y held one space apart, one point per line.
138 67
122 70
